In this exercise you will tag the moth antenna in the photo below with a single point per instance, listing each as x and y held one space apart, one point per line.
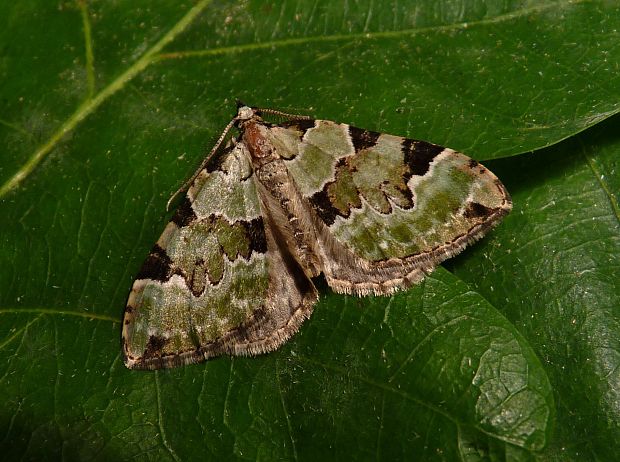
282 114
188 183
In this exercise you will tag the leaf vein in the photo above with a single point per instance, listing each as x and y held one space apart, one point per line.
19 332
57 312
160 423
364 35
425 340
89 106
601 181
285 410
88 46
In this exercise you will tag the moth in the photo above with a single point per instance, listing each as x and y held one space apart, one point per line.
281 204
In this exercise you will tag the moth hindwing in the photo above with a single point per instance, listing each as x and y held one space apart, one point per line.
283 203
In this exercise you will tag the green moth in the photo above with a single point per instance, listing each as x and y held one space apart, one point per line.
283 203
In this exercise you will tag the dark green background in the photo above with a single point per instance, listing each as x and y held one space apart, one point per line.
509 352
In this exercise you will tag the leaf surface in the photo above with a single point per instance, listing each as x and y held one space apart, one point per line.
555 273
105 107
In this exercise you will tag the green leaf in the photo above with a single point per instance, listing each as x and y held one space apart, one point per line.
554 270
105 107
435 370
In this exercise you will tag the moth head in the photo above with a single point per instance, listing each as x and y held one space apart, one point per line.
245 113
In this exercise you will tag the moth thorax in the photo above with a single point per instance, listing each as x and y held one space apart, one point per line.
258 144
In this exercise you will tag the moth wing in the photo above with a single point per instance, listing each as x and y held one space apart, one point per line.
216 282
387 209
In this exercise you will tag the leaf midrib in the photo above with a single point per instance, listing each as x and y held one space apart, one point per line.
89 105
